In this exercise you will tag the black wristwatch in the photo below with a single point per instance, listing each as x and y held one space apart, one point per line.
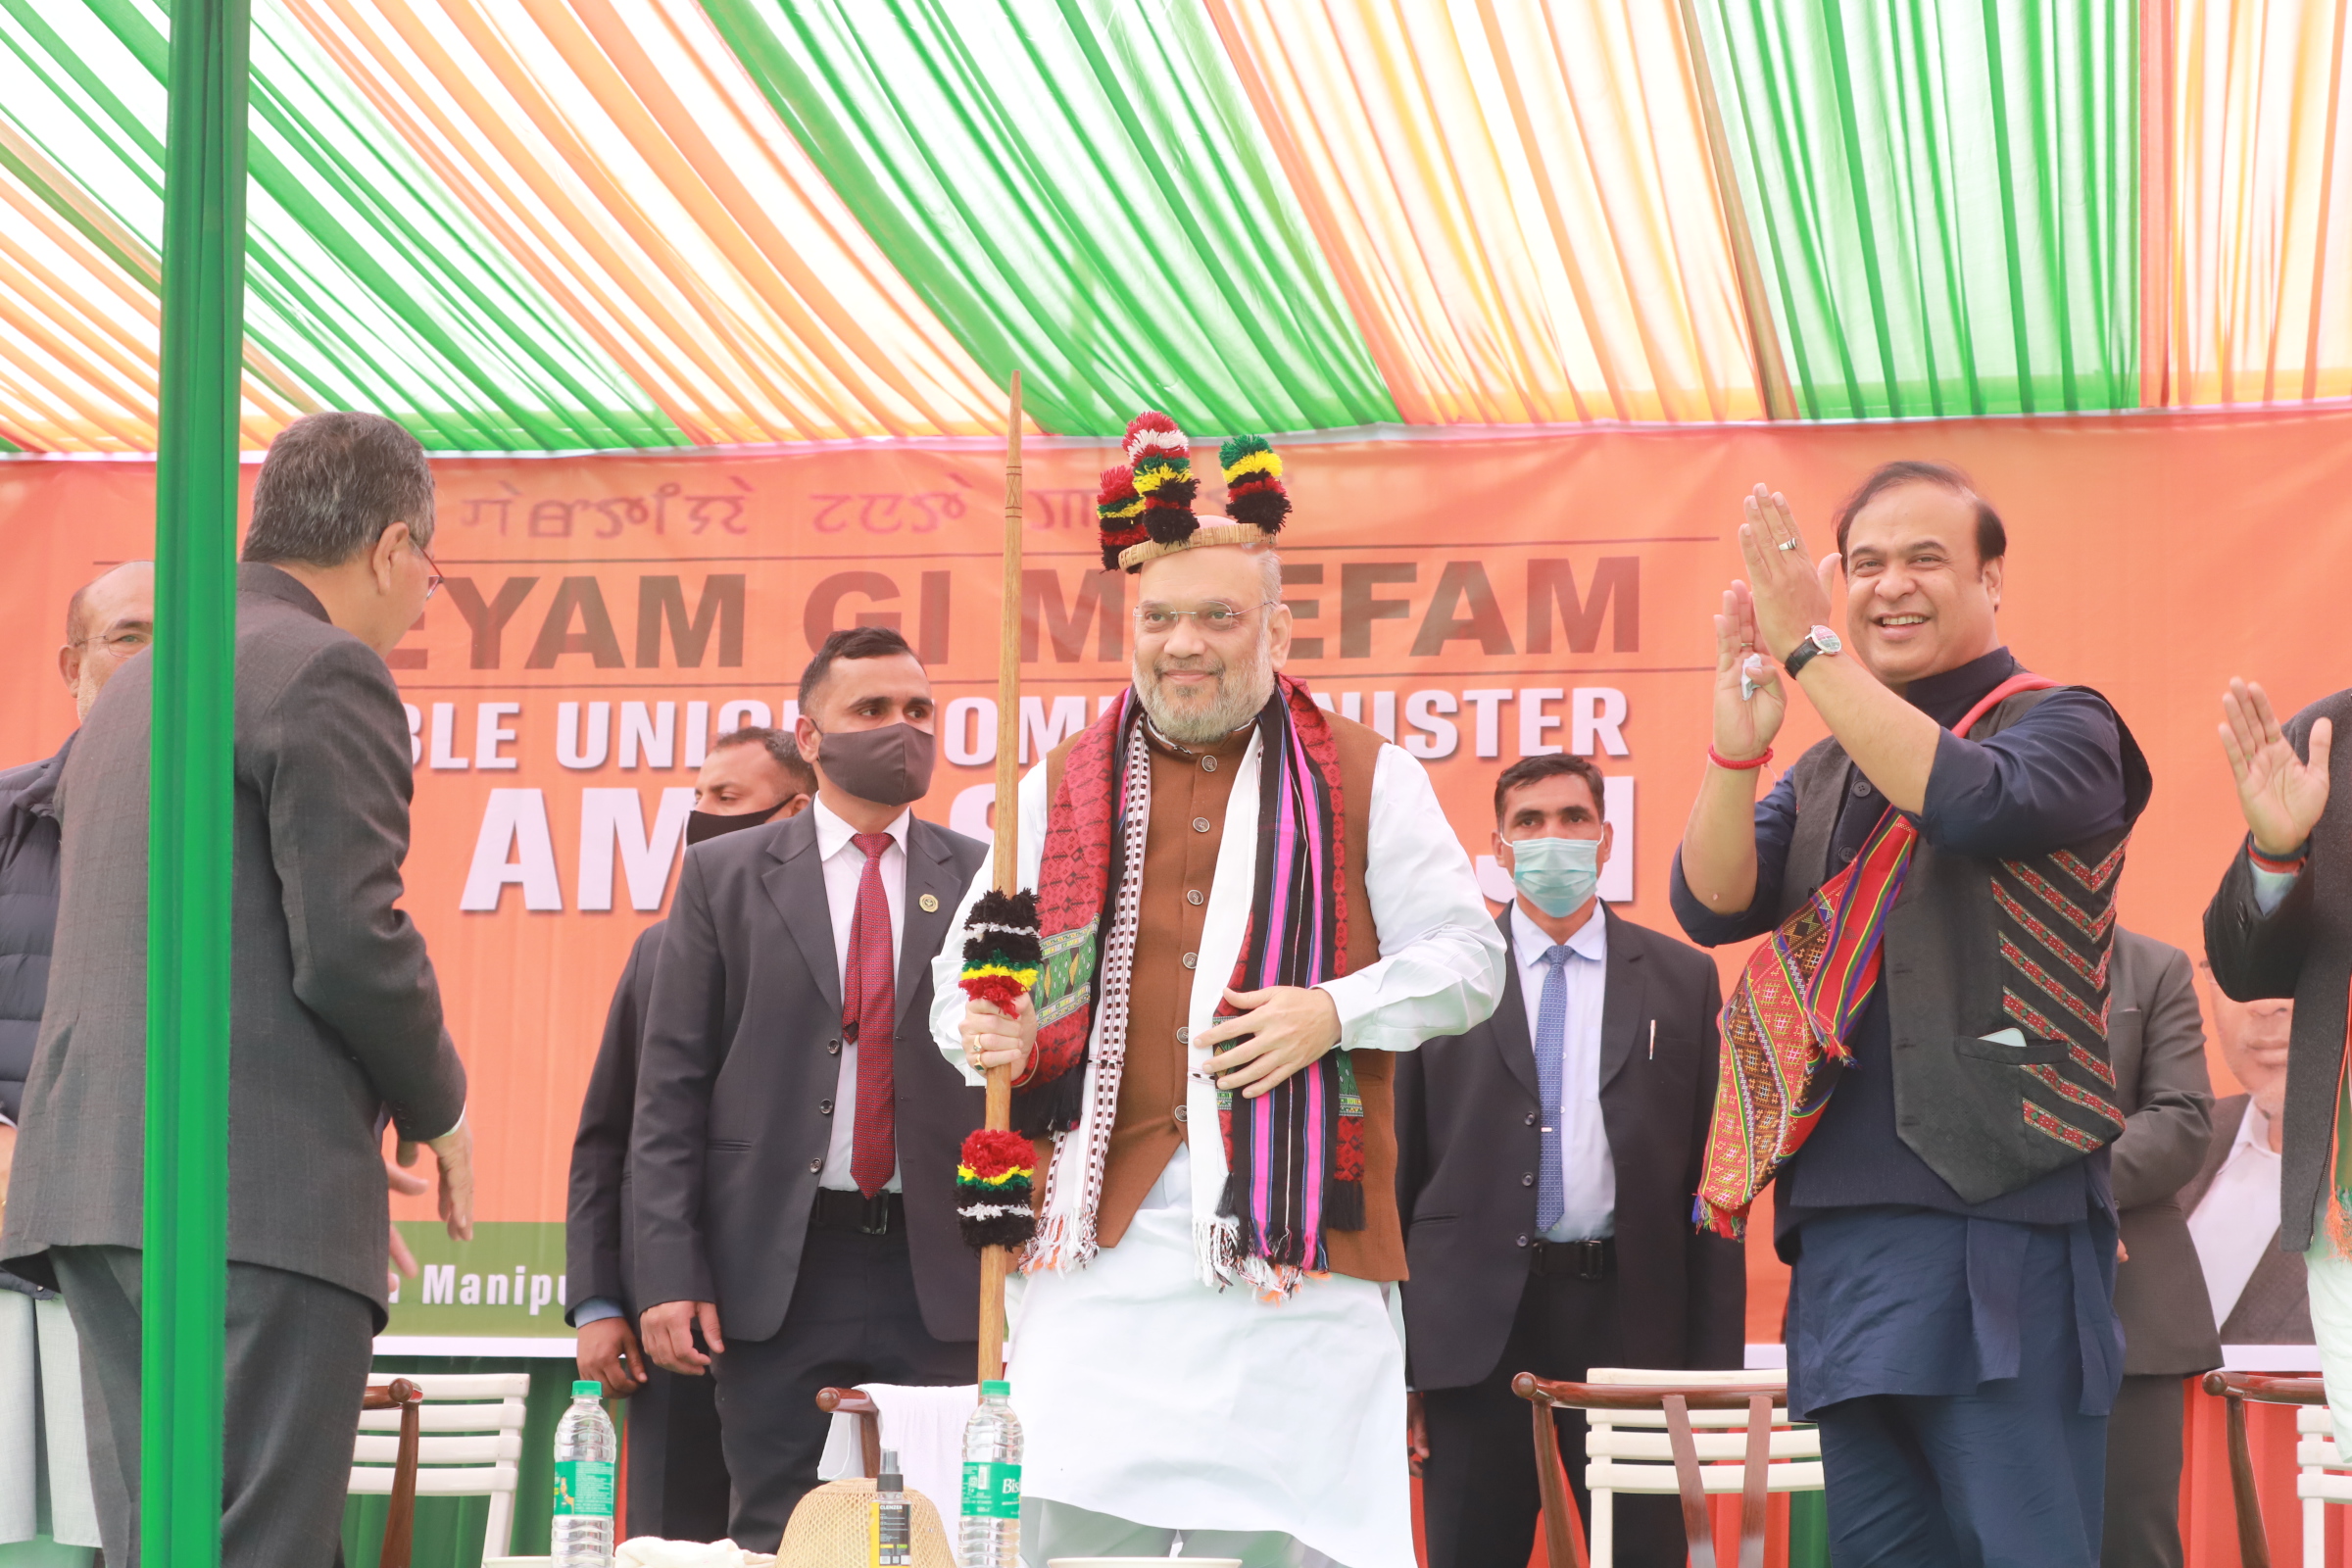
1820 640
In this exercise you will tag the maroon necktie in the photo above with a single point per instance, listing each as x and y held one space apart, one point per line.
869 1007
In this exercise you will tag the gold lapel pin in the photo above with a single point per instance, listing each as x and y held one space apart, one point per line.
928 903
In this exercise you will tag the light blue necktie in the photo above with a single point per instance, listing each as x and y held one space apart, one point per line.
1551 1049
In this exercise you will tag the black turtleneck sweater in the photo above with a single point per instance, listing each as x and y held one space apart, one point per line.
2054 777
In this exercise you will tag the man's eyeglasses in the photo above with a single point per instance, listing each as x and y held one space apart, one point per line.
1210 621
121 644
433 579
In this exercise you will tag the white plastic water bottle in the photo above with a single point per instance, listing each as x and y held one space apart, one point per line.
990 1533
581 1534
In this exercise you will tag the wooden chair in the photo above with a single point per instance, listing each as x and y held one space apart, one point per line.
849 1402
461 1436
1702 1419
2320 1462
399 1522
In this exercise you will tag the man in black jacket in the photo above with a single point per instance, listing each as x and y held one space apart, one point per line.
793 1155
2281 925
1545 1164
677 1474
108 620
1940 874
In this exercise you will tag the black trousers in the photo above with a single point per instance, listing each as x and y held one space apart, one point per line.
854 1319
679 1486
296 1356
1479 1488
2143 1529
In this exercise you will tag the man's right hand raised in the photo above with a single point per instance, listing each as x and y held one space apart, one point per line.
667 1330
2280 794
1744 726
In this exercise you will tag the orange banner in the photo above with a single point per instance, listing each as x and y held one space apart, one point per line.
1478 599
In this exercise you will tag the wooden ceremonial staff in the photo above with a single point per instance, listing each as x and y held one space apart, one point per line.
996 1260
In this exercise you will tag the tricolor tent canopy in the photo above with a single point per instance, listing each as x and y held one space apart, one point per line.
564 225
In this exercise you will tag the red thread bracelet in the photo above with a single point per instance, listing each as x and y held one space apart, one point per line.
1742 765
2263 862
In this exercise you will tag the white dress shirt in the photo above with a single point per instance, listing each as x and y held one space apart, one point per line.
844 866
2237 1219
1588 1175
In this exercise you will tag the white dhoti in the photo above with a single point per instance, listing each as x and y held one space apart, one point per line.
1150 1396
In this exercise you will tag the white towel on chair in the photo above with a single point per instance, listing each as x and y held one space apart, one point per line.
926 1428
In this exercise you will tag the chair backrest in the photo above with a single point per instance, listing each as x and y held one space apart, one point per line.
471 1442
1628 1450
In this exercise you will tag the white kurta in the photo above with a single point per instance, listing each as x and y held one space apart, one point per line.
1146 1394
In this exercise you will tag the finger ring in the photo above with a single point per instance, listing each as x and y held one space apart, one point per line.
1788 544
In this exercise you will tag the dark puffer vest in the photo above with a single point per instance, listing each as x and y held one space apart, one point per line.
29 859
1975 947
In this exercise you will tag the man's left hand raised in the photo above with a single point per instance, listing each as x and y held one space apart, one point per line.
1289 1026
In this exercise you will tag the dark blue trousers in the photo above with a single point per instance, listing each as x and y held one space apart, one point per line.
2010 1474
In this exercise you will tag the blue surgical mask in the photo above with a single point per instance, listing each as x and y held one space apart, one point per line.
1557 874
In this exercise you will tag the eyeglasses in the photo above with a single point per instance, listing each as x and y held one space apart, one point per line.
433 579
122 644
1210 621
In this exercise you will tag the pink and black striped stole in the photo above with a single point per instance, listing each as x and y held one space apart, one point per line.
1295 1156
1786 1020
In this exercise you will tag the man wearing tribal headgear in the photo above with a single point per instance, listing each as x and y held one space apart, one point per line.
1247 904
1917 1053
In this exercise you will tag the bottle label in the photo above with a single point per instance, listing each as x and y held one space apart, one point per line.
893 1536
992 1491
583 1489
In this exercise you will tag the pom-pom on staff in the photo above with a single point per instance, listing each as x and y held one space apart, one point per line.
997 1166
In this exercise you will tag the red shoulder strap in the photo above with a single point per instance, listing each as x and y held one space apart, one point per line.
2023 681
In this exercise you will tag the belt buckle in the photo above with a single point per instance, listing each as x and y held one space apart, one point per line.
875 1220
1591 1261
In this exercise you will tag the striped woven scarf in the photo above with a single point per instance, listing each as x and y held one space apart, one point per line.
1294 1156
1786 1020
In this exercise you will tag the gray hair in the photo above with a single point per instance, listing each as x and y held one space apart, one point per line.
330 486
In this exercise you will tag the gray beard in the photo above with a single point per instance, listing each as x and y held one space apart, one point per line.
1243 687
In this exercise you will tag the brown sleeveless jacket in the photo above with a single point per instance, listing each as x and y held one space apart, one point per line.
1189 798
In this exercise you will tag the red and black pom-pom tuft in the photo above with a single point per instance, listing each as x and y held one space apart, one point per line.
994 1177
1254 492
1161 460
1119 514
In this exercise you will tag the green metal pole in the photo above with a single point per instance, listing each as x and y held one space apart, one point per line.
185 1285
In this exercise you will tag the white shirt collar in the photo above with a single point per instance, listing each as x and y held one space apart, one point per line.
1590 940
833 835
2253 1133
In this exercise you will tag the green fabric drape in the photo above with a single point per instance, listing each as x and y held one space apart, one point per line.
1945 198
368 283
1078 190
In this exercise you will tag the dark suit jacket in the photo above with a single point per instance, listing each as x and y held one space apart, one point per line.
741 1063
1467 1133
2303 949
2274 1308
2156 1045
598 1248
335 1015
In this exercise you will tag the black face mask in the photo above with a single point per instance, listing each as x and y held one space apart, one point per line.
701 825
890 765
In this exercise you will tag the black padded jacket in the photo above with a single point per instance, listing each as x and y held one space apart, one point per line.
28 859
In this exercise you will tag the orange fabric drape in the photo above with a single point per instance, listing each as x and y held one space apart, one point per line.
618 152
1518 201
2259 301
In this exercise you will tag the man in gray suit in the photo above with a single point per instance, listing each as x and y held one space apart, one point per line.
2156 1047
335 1022
795 1134
2257 1292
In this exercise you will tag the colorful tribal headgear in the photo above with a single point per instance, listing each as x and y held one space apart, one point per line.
1145 504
